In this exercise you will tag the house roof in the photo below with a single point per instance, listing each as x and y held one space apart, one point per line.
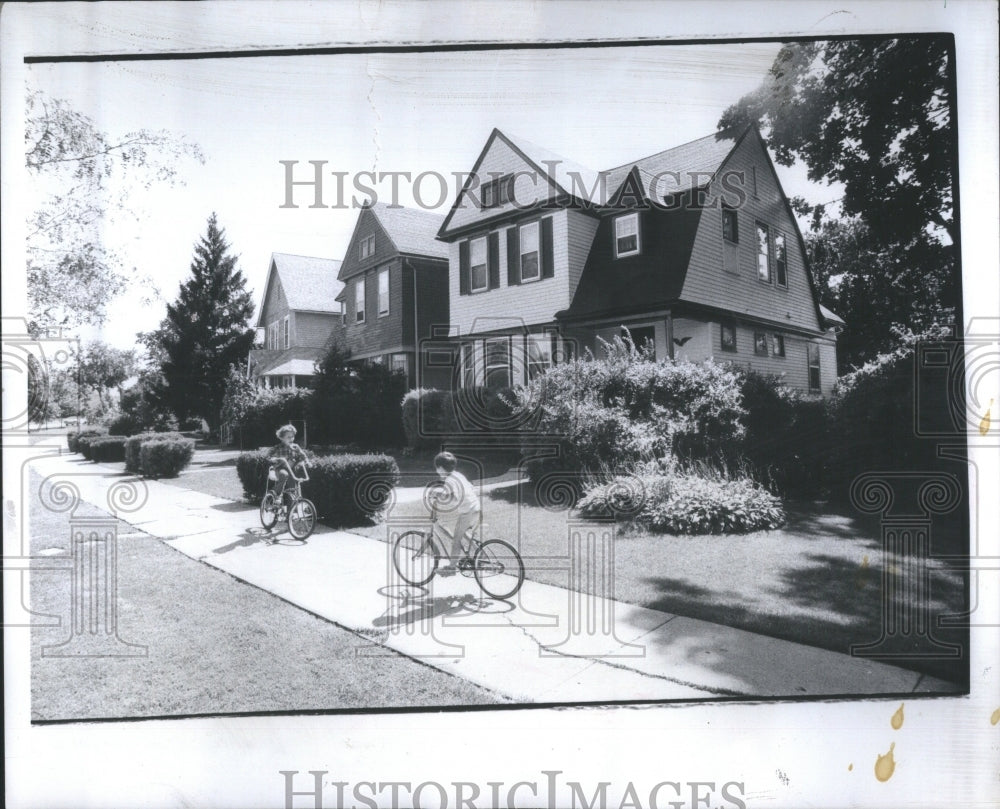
275 362
411 230
831 317
676 169
566 174
310 284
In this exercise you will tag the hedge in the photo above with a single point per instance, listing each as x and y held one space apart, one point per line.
73 437
133 449
106 449
431 417
165 457
346 489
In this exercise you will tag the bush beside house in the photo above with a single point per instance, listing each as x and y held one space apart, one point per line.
431 417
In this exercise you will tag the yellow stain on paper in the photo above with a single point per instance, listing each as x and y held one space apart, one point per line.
897 718
984 425
850 766
995 717
885 765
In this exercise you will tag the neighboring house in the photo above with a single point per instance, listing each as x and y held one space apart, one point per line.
395 293
694 249
298 314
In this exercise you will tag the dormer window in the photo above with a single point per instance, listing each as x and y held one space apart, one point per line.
627 235
367 247
478 277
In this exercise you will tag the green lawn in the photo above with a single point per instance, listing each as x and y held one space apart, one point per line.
816 581
215 645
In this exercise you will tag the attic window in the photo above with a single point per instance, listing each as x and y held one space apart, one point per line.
627 235
730 230
780 260
367 246
498 192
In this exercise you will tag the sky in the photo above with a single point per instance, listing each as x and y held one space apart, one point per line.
376 112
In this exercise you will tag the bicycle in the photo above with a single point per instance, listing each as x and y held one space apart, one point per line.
496 565
300 512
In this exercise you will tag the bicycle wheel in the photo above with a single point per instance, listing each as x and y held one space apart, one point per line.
301 518
414 558
268 511
498 569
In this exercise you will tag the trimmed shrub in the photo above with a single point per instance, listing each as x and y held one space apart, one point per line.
107 449
432 416
333 484
133 449
124 424
251 467
427 417
350 490
686 503
165 457
73 438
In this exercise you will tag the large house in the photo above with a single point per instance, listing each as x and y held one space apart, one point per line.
298 313
693 249
395 290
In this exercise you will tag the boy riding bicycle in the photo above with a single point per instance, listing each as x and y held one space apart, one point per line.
284 458
458 496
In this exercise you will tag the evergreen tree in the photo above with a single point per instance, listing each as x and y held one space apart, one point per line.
207 329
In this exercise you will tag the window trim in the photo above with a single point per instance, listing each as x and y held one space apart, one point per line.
727 209
360 300
760 340
545 339
722 339
485 265
383 273
784 261
503 339
811 349
757 254
537 224
638 235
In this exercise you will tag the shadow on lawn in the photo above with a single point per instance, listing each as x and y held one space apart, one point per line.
849 594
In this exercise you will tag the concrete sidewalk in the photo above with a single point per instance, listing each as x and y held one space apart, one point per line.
547 645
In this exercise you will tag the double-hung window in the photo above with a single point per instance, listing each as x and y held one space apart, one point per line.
778 345
383 292
627 235
780 260
477 265
367 247
359 300
529 251
763 253
813 360
760 343
538 350
287 336
497 363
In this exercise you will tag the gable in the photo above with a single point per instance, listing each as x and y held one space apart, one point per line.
367 225
709 283
500 157
274 303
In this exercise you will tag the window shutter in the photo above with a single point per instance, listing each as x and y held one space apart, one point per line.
463 268
548 260
513 258
493 260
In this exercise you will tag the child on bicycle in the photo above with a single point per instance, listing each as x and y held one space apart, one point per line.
458 496
284 458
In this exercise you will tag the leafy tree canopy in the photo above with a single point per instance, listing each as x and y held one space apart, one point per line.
83 178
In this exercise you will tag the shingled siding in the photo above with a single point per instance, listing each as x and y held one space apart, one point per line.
353 263
580 230
500 160
432 296
313 329
510 307
793 368
275 303
379 334
709 283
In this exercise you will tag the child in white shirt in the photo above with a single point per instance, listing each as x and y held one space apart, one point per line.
459 498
